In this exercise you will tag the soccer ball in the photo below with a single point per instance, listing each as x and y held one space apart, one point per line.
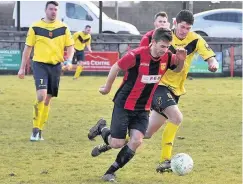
181 164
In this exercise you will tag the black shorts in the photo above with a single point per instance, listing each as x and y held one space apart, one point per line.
162 99
47 76
124 120
79 54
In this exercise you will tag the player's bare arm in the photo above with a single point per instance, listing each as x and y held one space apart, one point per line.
25 59
181 54
70 53
213 65
105 89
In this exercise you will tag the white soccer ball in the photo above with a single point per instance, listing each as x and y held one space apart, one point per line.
181 164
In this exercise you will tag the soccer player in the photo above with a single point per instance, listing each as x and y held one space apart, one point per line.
144 67
82 39
160 20
171 87
48 37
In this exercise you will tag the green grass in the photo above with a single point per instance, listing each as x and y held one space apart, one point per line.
212 129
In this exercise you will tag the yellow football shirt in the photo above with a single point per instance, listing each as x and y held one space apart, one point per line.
192 43
81 40
49 41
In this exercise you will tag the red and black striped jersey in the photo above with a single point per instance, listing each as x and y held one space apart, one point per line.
146 39
143 73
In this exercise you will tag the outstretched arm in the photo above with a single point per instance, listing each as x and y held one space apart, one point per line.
25 59
124 63
105 89
213 65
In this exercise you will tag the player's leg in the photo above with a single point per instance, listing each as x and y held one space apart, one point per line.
80 59
168 136
125 155
138 122
45 115
174 119
163 99
114 137
54 73
41 82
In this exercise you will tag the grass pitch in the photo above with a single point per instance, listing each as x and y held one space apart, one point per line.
212 128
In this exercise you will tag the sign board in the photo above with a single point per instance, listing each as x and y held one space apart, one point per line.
10 59
200 66
99 61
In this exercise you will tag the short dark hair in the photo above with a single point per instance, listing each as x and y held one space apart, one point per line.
87 26
185 16
163 34
51 2
160 14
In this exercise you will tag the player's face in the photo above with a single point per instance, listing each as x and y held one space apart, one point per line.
182 29
51 12
161 47
160 22
87 30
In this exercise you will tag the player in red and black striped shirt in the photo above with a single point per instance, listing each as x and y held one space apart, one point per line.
144 67
160 20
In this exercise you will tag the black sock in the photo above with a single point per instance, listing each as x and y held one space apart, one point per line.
105 132
113 168
124 156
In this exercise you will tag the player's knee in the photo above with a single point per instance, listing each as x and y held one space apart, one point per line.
47 100
136 142
178 118
41 97
117 143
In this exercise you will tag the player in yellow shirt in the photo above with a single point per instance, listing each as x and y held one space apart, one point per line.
166 97
49 37
82 39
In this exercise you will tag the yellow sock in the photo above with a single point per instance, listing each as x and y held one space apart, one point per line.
44 116
168 137
79 69
37 113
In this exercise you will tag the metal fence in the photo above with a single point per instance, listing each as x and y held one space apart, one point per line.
231 53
